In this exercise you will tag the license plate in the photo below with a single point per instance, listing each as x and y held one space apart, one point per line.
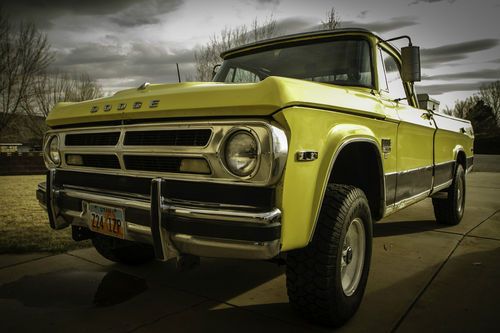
107 220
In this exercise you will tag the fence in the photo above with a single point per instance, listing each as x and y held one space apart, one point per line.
487 144
30 163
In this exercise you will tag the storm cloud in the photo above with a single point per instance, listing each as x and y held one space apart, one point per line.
90 53
363 14
125 13
438 89
383 26
432 57
479 74
293 25
136 62
430 1
271 2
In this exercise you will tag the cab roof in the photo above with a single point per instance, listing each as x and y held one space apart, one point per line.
292 37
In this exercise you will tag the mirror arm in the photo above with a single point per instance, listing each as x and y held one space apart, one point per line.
400 37
397 100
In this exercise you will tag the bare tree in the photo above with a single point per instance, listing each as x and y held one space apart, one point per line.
490 94
82 88
260 31
332 20
483 119
24 54
49 89
462 107
207 56
448 111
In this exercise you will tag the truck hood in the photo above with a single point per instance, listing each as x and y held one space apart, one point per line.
212 99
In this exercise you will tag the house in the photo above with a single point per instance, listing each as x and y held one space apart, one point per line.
10 147
23 134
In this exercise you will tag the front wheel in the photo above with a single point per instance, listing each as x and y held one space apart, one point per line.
326 280
451 210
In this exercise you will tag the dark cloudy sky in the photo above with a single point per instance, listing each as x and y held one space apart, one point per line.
123 43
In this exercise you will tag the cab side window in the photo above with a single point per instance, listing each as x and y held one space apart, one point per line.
239 75
394 83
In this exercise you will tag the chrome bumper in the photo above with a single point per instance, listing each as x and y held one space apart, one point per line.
166 242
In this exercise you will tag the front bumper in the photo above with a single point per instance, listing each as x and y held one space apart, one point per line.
172 228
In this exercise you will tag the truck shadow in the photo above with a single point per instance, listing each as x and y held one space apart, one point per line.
227 295
115 284
388 302
74 289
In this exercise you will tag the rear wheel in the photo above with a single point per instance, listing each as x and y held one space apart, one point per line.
451 210
123 251
326 280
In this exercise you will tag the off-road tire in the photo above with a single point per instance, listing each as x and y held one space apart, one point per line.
123 251
313 274
451 210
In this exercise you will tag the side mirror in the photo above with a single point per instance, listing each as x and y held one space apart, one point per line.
215 70
411 63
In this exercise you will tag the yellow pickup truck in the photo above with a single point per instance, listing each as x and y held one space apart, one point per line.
294 150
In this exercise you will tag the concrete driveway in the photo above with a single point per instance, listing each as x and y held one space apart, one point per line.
424 277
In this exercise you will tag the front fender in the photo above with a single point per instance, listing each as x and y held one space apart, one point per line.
304 183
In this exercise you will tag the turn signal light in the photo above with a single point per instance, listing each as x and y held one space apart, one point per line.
194 165
73 159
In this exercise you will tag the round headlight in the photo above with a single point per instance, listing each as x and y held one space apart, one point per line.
241 153
53 150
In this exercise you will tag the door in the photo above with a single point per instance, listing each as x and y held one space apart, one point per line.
415 137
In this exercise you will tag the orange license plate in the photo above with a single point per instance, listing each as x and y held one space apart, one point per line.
107 220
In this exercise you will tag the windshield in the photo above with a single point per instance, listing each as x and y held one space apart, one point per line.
343 62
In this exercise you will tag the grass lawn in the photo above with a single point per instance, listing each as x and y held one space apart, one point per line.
24 225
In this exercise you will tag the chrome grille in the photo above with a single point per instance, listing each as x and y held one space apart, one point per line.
187 150
153 163
98 161
188 137
92 139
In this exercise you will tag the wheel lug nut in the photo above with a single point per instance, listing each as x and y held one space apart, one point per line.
348 255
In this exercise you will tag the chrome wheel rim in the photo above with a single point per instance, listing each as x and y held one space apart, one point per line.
460 194
353 256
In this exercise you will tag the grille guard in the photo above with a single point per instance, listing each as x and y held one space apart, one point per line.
167 243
